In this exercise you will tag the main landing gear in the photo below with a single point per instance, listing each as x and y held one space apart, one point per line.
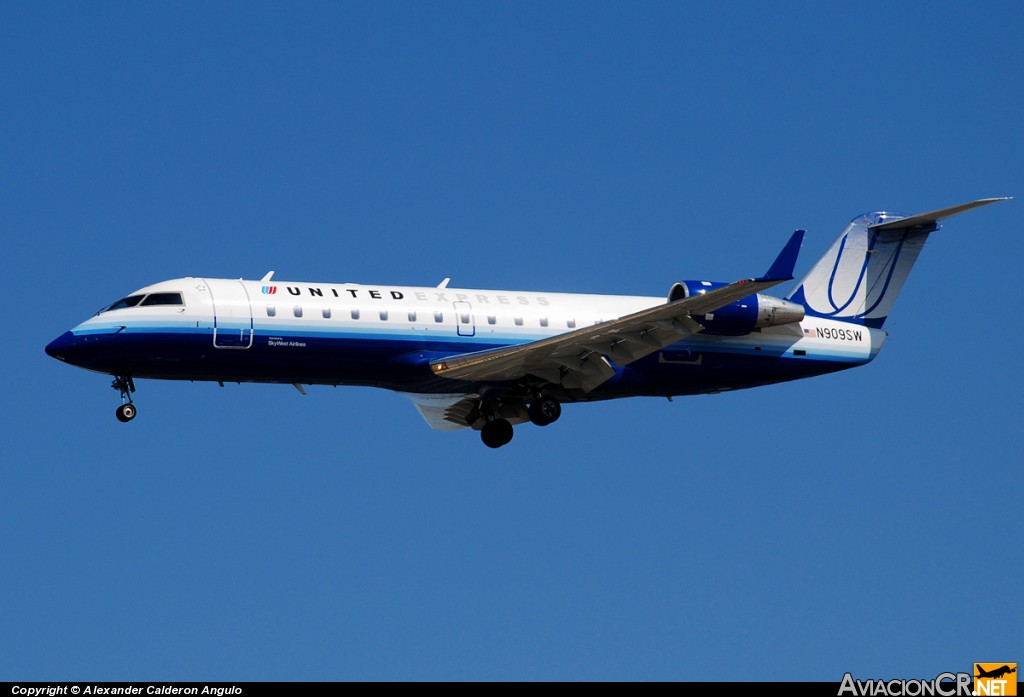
498 430
125 385
496 433
544 411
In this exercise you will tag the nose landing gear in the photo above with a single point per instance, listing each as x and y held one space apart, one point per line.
125 413
125 385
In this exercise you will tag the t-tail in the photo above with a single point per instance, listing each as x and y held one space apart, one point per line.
859 277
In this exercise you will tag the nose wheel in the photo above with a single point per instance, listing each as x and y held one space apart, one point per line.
127 411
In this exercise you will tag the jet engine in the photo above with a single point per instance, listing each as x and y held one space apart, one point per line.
741 317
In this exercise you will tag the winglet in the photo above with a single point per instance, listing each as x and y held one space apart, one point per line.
782 268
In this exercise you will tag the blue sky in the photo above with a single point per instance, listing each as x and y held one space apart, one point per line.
866 521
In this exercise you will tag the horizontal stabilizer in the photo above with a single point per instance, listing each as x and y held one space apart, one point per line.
933 217
859 277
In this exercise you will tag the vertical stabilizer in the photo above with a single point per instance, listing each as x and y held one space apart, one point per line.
859 277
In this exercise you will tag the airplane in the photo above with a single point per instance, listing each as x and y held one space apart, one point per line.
995 673
490 359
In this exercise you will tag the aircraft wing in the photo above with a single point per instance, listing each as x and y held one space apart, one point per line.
452 412
444 412
583 358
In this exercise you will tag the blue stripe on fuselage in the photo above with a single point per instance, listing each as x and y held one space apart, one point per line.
400 358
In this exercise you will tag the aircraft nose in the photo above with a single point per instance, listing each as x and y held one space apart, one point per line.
101 353
61 346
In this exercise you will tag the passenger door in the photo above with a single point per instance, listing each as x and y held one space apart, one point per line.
232 314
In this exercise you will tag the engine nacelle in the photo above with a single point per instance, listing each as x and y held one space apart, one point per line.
741 317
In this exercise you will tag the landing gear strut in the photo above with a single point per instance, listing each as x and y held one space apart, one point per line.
544 411
125 385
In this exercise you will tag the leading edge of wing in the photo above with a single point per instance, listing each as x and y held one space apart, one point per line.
622 340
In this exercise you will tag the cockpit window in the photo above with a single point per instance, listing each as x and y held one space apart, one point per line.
130 301
163 299
143 300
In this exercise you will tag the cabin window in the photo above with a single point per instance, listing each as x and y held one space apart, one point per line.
438 316
327 313
383 315
464 318
355 313
163 299
518 321
412 316
130 301
297 310
543 321
491 319
571 323
271 311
